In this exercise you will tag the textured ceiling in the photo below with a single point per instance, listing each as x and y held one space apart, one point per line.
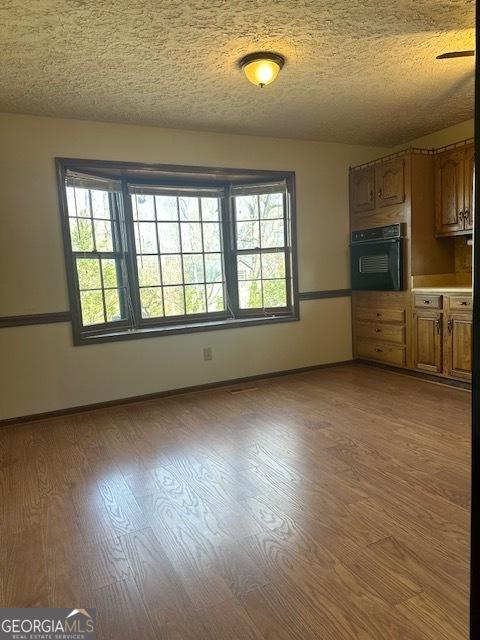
361 71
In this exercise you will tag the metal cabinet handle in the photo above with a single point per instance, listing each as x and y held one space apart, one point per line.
427 302
437 324
464 303
379 315
378 350
379 194
378 331
450 326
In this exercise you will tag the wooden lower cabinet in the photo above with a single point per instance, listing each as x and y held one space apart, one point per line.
429 332
442 340
380 321
381 351
458 345
427 341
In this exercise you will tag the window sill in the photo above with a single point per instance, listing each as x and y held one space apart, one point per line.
155 332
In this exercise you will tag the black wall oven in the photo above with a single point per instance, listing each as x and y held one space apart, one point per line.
376 259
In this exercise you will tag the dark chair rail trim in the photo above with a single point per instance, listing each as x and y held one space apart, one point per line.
66 316
332 293
35 318
170 392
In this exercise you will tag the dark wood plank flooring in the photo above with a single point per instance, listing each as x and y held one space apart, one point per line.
325 505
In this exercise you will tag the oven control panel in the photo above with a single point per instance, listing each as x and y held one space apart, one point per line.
390 232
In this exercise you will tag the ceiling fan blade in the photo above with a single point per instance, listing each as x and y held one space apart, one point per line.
456 54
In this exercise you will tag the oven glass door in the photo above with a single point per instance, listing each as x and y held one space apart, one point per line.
377 266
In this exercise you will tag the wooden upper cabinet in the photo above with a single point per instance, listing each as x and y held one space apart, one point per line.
427 341
453 190
390 182
362 190
458 347
468 203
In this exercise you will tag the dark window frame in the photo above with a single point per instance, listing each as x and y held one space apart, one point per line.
136 327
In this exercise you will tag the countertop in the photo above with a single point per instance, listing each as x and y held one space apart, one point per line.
467 289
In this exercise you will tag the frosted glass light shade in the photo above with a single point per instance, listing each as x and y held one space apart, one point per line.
262 68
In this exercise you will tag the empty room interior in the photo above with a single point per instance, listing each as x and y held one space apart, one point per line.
236 319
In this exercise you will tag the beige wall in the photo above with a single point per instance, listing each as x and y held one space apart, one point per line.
42 371
441 138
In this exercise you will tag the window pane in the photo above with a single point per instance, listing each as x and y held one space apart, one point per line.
271 205
274 293
273 265
148 271
100 204
151 302
246 207
92 307
172 270
78 202
195 298
70 191
191 237
188 208
166 207
112 305
193 268
215 300
168 235
272 233
109 268
248 235
213 267
174 301
250 294
146 239
248 266
103 235
88 271
81 235
211 236
210 209
142 206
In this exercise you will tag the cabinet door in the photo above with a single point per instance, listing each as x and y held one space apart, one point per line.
390 182
427 341
458 352
362 190
449 189
468 203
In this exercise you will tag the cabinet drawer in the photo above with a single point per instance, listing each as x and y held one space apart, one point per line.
381 352
461 303
427 301
381 331
380 315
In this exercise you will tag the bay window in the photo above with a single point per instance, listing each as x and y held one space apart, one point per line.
155 249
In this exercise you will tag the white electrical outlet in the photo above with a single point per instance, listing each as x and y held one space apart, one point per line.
207 353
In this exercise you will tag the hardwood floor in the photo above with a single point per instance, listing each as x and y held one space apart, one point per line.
325 505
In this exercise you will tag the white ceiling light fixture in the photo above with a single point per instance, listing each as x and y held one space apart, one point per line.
262 67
